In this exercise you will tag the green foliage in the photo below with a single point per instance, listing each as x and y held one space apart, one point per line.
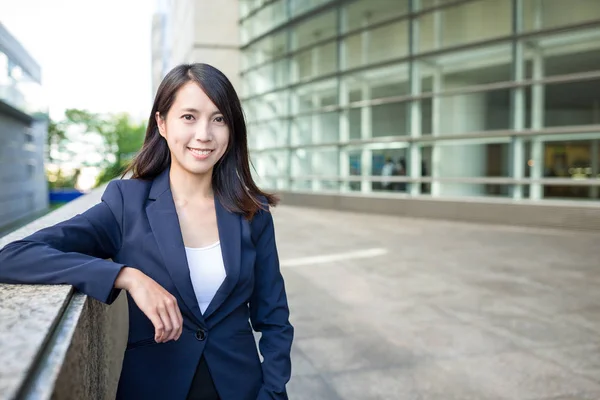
112 171
59 180
121 138
56 139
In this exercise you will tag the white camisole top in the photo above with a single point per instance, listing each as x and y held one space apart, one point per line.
207 272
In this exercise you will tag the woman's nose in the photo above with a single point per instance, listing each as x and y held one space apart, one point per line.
203 134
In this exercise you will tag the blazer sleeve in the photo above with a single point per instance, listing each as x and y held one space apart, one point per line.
269 313
72 252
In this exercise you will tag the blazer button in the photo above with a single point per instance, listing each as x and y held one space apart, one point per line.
200 334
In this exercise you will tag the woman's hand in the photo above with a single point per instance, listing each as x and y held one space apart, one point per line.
154 301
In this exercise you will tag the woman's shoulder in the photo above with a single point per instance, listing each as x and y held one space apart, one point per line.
129 189
131 184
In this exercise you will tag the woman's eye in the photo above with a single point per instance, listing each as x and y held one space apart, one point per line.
220 120
188 117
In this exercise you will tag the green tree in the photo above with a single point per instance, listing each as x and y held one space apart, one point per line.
121 138
124 139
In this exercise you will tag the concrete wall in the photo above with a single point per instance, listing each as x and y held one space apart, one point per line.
57 343
22 178
92 364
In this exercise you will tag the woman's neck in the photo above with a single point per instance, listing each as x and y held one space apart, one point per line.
186 186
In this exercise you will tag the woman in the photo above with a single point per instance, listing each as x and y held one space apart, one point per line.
191 240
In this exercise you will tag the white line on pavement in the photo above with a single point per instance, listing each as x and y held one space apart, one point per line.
326 258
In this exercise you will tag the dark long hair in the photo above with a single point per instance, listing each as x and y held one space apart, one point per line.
231 178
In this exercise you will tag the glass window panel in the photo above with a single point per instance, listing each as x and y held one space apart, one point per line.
462 159
301 130
389 120
272 165
270 106
378 83
354 169
545 14
249 109
252 132
426 115
301 163
316 128
465 160
363 13
465 23
302 66
269 134
573 160
377 45
466 68
315 62
325 162
269 17
329 127
246 31
327 59
314 96
425 4
573 103
265 50
298 7
266 78
301 185
355 51
245 8
259 81
474 112
281 73
315 29
388 163
355 118
563 54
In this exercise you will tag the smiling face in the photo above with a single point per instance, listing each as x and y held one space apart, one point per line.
195 131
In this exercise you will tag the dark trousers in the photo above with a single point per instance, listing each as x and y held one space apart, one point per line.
203 387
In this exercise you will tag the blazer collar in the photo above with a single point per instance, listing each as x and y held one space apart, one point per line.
160 184
164 223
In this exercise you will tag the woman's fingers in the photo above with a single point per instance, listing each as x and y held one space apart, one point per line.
158 325
180 319
163 312
175 322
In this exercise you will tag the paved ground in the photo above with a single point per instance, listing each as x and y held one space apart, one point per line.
439 310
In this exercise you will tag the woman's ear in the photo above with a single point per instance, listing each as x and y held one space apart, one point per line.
160 122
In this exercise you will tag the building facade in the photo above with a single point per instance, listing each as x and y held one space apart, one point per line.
187 31
23 132
467 98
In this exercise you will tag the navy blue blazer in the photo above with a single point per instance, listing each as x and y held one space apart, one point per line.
136 225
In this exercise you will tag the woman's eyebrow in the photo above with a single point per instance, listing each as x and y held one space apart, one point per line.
190 109
196 111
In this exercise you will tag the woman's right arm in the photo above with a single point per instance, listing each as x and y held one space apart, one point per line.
72 252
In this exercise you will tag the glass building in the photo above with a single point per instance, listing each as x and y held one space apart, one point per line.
494 98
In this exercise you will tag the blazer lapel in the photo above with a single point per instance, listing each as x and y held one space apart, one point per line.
164 223
230 232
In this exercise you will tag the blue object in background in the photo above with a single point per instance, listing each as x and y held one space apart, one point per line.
63 195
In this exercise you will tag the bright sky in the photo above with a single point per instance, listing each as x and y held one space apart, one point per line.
94 55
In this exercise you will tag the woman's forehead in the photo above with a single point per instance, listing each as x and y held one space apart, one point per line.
191 96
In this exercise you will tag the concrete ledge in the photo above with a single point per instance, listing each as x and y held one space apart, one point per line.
546 214
54 342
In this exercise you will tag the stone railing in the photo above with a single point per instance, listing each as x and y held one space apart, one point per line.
56 342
